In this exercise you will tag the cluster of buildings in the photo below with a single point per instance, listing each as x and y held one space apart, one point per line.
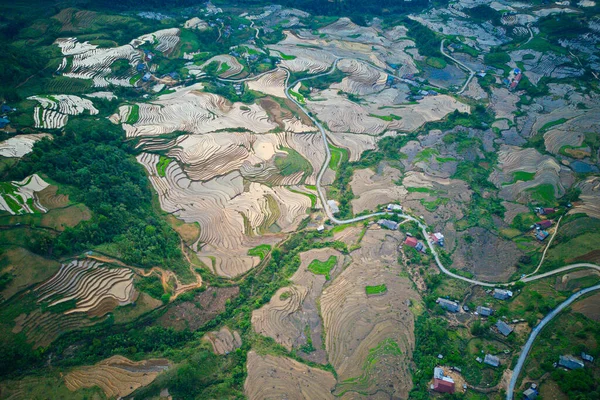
5 109
513 79
570 362
416 244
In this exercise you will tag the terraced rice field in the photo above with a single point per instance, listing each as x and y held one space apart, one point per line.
21 197
116 376
590 197
227 66
192 110
369 339
164 40
90 62
272 83
345 116
291 317
95 289
514 162
18 146
231 214
362 79
42 328
224 341
271 377
371 189
54 110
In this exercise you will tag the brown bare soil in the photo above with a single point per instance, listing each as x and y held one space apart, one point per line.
488 256
592 257
224 341
49 198
573 280
188 232
272 377
194 314
370 338
589 307
116 376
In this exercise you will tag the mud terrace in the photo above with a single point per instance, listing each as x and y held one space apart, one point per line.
116 376
272 377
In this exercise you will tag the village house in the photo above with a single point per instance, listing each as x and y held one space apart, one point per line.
442 383
448 305
544 210
502 294
541 235
394 207
484 311
413 242
570 362
333 206
545 224
531 393
4 122
386 223
504 328
437 238
491 360
586 357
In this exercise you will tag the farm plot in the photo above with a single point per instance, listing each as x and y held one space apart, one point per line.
18 146
355 143
231 214
117 376
21 197
343 115
96 290
523 169
207 156
227 66
569 137
90 62
590 197
54 110
224 341
291 317
373 189
271 377
25 268
42 328
272 83
370 339
362 79
204 307
298 58
164 40
192 110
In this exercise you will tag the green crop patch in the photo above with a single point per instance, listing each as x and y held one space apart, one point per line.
322 267
371 290
260 251
162 165
292 163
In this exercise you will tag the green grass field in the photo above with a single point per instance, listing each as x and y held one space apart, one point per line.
376 289
299 97
436 62
134 115
543 193
322 267
337 156
260 251
162 165
388 118
292 163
